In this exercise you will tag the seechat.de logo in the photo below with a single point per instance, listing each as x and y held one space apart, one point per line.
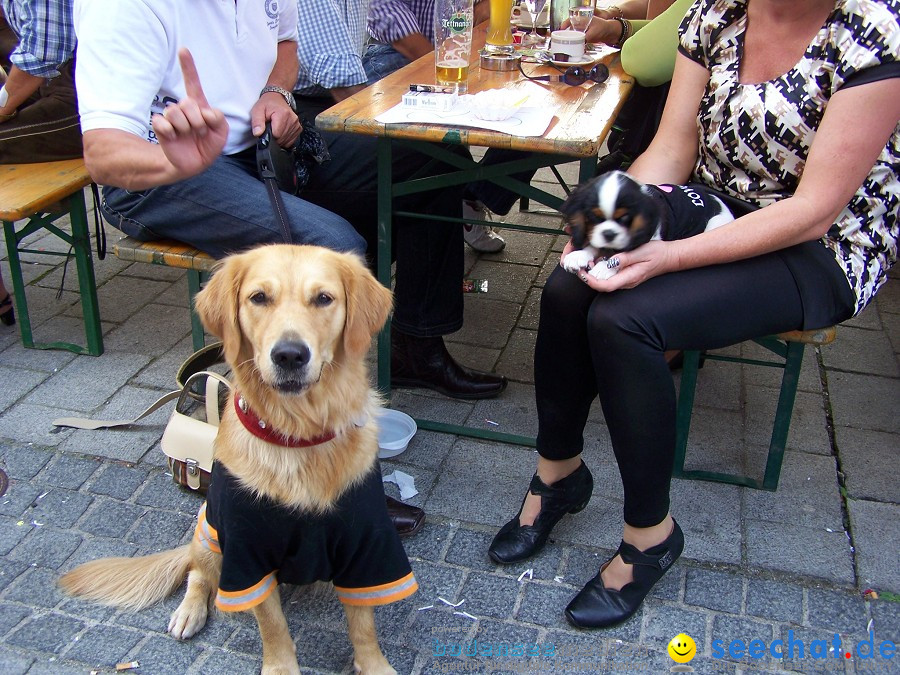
682 649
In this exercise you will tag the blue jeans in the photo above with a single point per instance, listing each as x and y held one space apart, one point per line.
224 210
382 60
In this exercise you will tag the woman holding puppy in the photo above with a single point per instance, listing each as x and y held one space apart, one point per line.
791 106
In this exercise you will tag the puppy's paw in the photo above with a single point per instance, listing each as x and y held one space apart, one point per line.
601 271
577 260
188 619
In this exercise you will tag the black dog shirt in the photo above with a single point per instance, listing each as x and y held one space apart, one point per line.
262 543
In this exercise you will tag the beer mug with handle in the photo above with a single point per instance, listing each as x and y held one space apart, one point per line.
453 42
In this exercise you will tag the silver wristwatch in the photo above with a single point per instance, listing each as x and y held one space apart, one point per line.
288 96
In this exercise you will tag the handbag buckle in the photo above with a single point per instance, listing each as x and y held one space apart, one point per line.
192 468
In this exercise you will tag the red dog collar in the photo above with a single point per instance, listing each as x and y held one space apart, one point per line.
261 429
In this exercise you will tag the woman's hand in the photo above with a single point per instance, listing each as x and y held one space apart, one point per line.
634 267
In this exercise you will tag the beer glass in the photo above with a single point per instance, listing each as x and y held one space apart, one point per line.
453 42
499 37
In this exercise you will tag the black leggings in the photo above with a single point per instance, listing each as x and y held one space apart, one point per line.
611 345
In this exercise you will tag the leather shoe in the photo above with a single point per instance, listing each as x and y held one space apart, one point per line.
425 362
596 606
515 542
407 519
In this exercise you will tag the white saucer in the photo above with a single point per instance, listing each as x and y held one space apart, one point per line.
585 61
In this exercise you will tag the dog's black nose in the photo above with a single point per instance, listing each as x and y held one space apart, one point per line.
290 355
609 235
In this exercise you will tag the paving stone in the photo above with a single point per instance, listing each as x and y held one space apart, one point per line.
130 443
10 571
11 533
775 600
166 655
83 609
437 581
427 449
70 472
104 646
862 351
876 535
22 461
120 481
59 508
49 545
864 401
30 424
17 382
430 542
543 605
46 633
56 666
490 595
160 491
18 498
808 494
223 662
886 622
799 550
581 566
663 622
106 374
754 639
160 530
712 522
325 649
14 664
151 338
110 518
868 459
11 616
37 588
809 650
160 372
714 590
155 619
843 612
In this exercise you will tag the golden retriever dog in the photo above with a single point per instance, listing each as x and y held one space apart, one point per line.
298 440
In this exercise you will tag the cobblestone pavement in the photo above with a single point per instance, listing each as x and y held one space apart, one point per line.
792 565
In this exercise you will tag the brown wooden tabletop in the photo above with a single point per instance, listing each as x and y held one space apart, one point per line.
583 118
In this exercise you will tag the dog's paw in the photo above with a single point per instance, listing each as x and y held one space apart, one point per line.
382 668
188 619
601 271
577 260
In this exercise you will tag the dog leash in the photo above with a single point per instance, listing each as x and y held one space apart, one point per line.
276 168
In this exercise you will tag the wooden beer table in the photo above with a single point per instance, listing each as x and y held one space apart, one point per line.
583 117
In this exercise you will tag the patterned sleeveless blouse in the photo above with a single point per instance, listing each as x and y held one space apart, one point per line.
755 138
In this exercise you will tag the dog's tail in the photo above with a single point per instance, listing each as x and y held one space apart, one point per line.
129 583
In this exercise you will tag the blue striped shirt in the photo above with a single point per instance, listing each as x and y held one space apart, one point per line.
331 45
46 34
392 20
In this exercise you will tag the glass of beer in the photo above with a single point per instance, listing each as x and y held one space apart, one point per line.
499 37
453 42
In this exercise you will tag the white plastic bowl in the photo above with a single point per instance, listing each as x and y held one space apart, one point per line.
395 430
495 105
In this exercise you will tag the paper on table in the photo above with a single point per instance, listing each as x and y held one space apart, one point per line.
525 122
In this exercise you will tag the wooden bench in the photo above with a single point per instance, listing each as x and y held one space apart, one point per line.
789 347
40 194
196 264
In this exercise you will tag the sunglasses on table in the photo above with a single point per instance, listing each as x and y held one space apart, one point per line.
573 75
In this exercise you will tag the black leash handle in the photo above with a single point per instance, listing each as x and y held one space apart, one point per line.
265 149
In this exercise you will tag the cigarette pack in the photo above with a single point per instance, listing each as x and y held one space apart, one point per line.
437 88
429 100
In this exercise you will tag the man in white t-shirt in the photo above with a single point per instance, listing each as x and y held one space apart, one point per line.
191 174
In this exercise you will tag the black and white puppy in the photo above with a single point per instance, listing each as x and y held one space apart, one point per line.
614 212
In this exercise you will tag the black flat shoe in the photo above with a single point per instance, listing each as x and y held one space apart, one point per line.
515 542
7 314
596 606
425 362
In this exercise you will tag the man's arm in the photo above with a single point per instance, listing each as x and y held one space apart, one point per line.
272 106
19 86
191 136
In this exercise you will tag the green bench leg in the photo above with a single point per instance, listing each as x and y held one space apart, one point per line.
80 241
783 413
194 279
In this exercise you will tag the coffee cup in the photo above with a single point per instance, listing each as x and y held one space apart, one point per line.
567 45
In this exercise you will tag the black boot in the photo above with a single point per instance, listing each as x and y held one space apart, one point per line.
515 542
425 362
7 315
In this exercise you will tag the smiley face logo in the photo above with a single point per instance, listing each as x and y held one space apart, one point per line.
682 648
